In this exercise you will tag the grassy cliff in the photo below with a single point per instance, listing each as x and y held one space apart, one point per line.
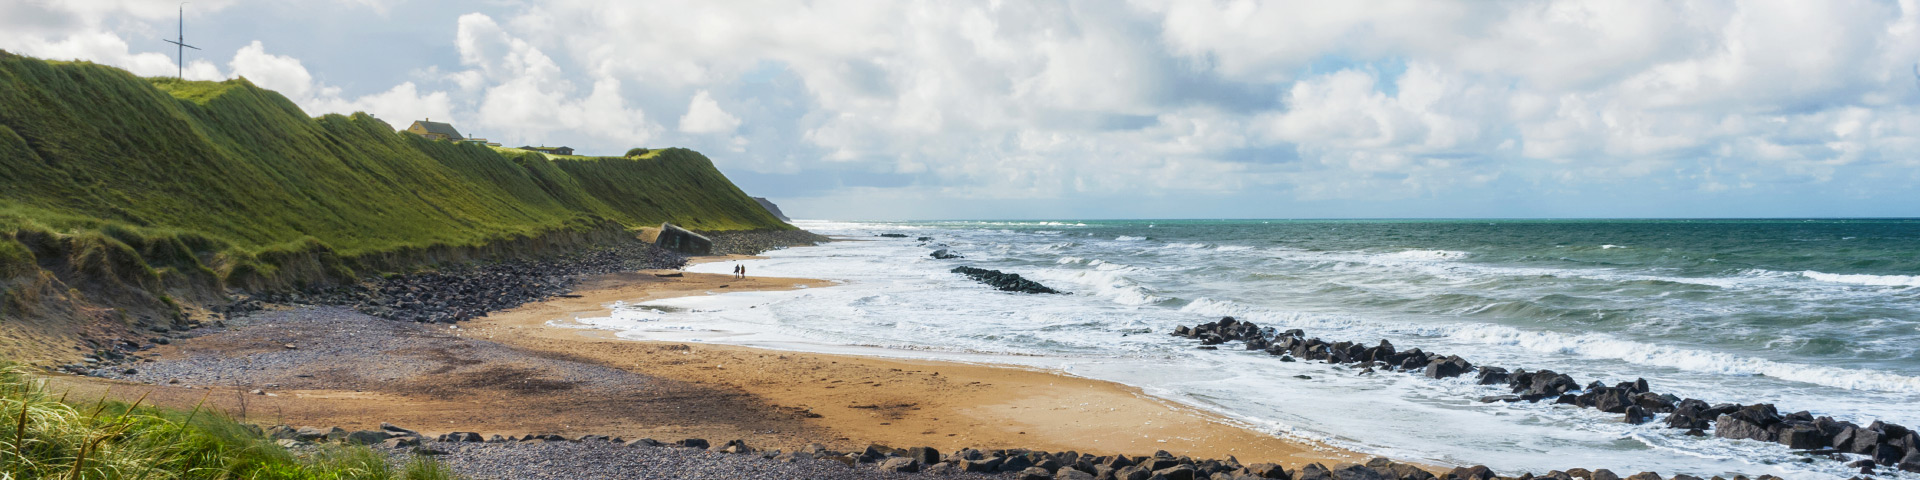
140 191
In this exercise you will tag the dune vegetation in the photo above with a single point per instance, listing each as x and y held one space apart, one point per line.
47 436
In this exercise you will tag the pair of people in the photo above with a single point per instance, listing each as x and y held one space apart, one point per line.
739 271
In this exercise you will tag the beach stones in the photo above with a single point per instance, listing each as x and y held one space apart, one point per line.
924 455
899 464
1350 471
1315 471
1071 474
1476 472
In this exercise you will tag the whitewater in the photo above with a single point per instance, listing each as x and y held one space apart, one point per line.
1809 315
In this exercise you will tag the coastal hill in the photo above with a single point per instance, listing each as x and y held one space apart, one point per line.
124 200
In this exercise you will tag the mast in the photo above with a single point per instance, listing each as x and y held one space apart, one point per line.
180 55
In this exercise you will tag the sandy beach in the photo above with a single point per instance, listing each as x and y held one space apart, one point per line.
514 373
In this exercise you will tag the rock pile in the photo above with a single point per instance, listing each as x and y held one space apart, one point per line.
1006 463
755 243
892 235
1884 444
1004 281
462 292
945 254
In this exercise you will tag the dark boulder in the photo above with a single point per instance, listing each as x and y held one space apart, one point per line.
1452 366
1015 463
1728 426
1314 471
899 464
1654 402
1888 455
1267 470
1801 437
1636 415
1911 462
945 254
924 455
1352 471
1177 472
1860 440
1763 414
1610 400
1034 473
1546 383
1476 472
1492 375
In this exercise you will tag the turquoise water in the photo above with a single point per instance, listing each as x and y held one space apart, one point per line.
1829 292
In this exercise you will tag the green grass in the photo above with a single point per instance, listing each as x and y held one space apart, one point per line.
43 436
224 181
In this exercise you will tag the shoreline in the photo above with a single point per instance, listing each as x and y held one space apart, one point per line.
946 404
511 373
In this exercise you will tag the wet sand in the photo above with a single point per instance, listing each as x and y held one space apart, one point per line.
896 402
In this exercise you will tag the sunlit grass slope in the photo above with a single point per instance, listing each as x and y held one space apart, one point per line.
149 184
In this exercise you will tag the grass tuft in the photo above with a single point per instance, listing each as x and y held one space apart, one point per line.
46 437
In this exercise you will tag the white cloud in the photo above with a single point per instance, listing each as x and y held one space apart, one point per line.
273 72
705 116
532 100
1175 98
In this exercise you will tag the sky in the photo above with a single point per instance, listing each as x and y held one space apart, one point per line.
1050 109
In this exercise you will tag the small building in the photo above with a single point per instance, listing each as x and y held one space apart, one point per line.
683 240
434 130
551 150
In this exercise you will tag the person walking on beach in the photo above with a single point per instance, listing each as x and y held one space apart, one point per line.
736 271
743 272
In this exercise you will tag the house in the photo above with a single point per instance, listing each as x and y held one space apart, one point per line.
551 150
434 130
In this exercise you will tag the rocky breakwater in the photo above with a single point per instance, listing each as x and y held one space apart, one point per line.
458 293
1867 446
1011 282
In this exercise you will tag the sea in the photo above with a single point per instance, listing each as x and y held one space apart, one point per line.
1821 315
